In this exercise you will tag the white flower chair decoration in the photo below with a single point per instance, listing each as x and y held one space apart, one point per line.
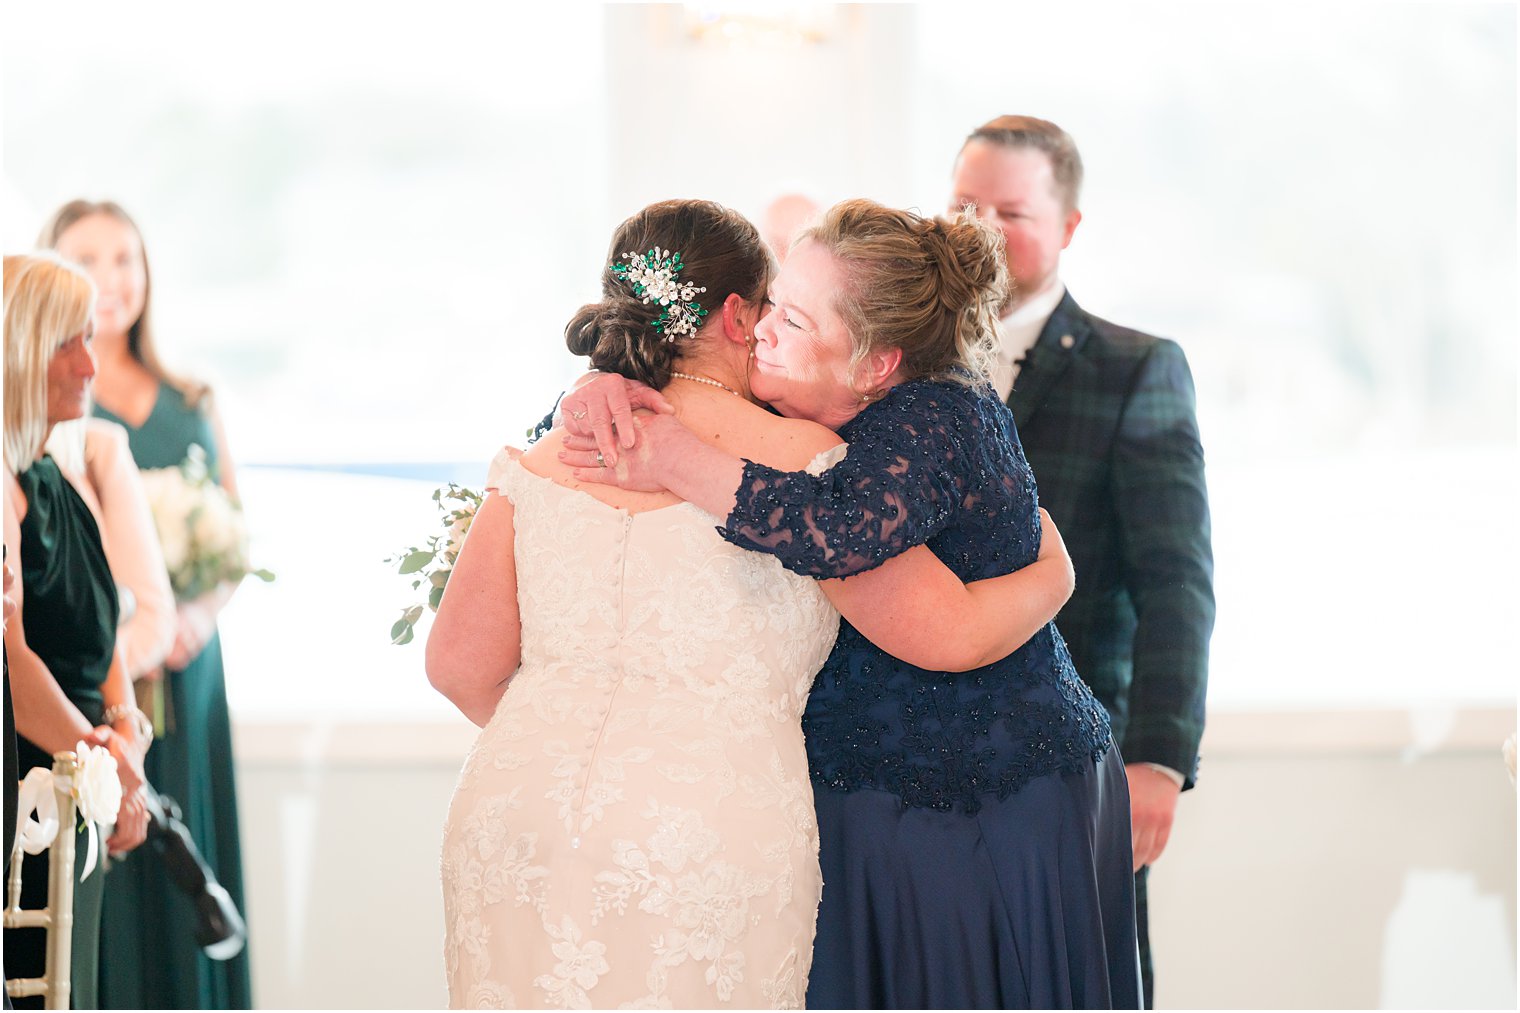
53 800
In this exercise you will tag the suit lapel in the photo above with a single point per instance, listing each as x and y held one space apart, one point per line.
1059 343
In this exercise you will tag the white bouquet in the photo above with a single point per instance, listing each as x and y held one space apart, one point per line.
200 527
432 564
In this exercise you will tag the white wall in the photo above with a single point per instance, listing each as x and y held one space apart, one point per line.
1342 860
1351 860
745 122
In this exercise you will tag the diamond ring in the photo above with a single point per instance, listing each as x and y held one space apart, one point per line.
577 415
599 462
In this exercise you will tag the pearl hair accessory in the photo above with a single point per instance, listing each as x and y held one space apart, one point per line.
656 277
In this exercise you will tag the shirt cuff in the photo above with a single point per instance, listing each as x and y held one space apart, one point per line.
1175 776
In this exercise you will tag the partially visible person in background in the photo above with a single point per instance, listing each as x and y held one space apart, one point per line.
70 685
9 743
149 618
1108 420
151 959
783 218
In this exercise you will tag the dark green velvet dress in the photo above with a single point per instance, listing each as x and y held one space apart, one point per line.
149 959
69 615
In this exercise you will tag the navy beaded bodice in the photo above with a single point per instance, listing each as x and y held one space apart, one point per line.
937 464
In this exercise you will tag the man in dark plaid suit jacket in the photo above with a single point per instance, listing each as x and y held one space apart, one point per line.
1106 416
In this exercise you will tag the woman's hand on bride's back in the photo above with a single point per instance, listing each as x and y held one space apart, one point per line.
602 407
659 442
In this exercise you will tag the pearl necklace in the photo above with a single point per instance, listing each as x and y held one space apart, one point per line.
707 380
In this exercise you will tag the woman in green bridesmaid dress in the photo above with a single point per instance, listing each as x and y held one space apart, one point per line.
149 958
69 683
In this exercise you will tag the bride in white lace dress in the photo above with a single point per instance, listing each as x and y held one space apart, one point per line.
634 826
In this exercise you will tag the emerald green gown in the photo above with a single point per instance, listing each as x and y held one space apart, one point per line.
148 955
69 618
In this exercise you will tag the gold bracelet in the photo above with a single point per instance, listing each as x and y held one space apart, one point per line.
140 723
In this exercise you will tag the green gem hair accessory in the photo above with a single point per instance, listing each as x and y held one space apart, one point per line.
656 277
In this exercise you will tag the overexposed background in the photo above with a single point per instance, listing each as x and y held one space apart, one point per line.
368 225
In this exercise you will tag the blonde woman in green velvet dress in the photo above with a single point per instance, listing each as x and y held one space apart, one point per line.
67 681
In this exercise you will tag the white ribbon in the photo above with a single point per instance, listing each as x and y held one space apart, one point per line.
92 849
92 836
36 796
37 834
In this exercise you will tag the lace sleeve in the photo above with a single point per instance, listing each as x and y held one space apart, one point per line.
899 485
496 474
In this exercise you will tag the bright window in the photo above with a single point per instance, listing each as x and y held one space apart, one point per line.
1320 206
369 223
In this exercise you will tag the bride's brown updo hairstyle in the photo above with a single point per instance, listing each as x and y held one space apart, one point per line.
719 249
931 287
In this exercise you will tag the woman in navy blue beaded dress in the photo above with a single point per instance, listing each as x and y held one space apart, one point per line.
974 827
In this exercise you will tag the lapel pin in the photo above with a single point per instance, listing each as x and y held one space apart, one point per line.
1067 341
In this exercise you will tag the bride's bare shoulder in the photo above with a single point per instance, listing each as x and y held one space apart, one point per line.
783 443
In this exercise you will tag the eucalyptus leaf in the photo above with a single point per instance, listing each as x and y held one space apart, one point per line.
431 564
415 561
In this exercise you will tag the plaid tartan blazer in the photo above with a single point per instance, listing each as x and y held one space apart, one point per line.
1108 422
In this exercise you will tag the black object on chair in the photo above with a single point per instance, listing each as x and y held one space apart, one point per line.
219 929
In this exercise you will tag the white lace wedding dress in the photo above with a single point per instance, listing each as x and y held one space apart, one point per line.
634 827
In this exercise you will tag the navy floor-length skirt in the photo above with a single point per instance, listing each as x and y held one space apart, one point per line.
1027 904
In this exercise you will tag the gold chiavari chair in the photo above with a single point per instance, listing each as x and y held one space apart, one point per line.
57 919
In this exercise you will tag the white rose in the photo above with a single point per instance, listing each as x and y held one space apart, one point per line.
171 506
185 500
210 530
97 790
175 542
156 488
221 533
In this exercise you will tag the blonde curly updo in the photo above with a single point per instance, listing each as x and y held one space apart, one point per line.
930 287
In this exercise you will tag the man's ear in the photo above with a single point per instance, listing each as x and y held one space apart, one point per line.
1073 219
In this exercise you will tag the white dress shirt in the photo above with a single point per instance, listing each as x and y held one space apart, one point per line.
1018 332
